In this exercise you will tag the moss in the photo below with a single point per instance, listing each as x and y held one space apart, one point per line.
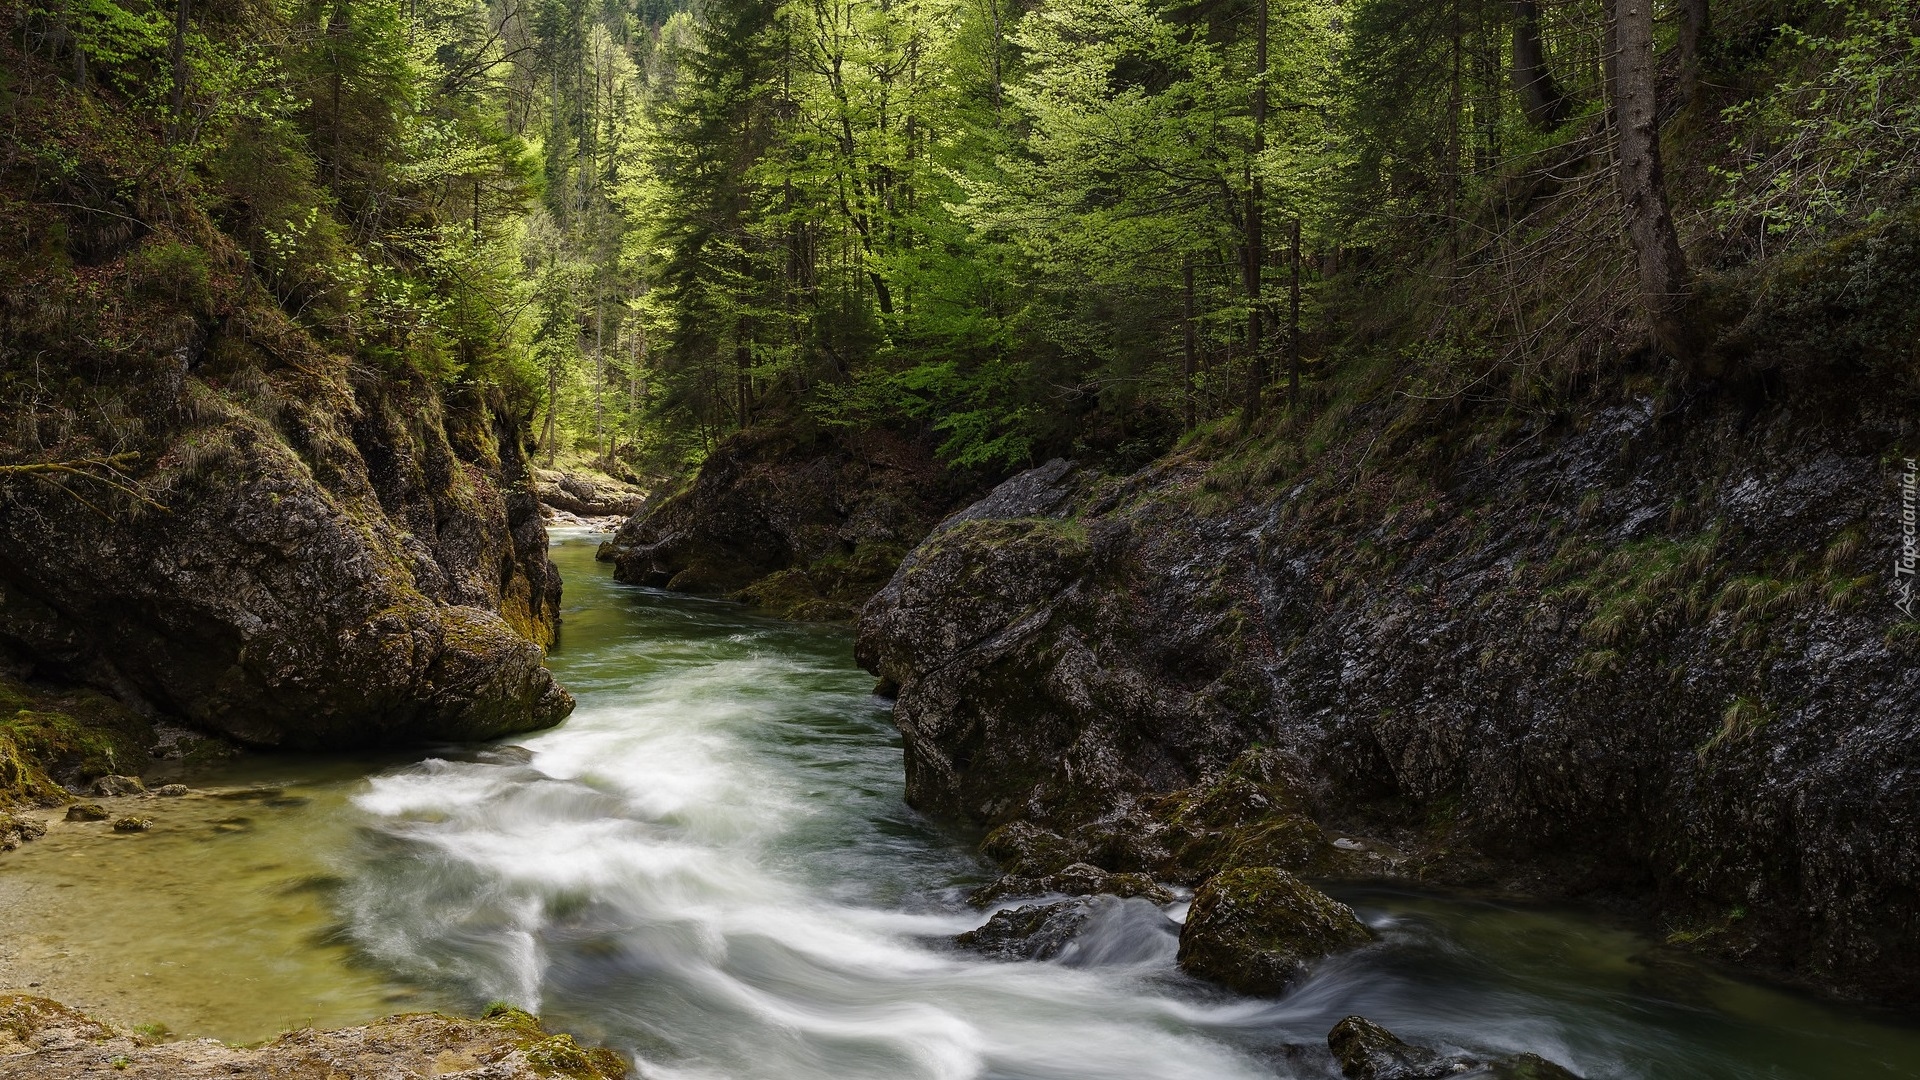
554 1055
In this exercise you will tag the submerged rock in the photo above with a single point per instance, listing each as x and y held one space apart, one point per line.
1367 1051
133 824
44 1040
172 791
1034 932
1255 930
1529 1067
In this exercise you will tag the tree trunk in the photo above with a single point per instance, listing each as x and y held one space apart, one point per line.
1293 324
1258 375
1187 367
1656 245
1696 23
178 96
1540 96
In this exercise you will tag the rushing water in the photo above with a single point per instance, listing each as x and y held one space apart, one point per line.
710 868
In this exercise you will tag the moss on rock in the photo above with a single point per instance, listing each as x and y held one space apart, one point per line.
1255 930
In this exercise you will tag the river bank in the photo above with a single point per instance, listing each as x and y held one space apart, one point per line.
710 869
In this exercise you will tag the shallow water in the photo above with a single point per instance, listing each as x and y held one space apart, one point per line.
710 867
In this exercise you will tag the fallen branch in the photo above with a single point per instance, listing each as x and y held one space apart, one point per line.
84 468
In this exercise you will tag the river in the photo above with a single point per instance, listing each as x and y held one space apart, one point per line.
710 868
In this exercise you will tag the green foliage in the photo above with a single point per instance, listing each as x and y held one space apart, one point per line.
1838 142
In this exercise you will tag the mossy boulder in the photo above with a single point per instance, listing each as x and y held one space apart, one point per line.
1256 930
87 812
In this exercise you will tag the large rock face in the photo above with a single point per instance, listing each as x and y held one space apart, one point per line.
328 565
1650 648
807 524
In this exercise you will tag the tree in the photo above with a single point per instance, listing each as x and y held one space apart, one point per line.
1661 263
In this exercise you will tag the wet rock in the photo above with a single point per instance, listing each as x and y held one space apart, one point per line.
87 812
132 824
1028 850
1255 930
1078 879
172 791
114 786
1367 1051
1034 932
15 831
807 524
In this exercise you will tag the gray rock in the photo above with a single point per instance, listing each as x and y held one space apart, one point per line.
1495 656
587 495
114 786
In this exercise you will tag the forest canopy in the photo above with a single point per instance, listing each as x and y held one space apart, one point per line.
1022 227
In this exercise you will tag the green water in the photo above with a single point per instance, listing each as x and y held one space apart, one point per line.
710 867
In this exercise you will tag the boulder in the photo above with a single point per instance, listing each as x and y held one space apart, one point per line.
587 494
1256 929
132 824
15 831
115 786
805 523
87 812
359 563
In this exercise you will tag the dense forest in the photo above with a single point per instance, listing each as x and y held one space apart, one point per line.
1026 228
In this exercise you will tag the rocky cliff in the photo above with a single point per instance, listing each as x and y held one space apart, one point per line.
217 513
1645 646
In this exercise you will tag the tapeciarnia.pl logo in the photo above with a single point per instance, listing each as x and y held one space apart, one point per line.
1903 566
